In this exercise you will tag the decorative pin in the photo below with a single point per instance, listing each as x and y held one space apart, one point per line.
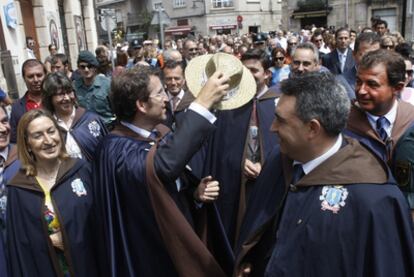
78 188
333 198
94 128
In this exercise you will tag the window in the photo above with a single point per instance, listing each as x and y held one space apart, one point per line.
222 3
157 6
179 3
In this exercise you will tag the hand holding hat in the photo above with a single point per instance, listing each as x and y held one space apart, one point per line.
213 91
241 84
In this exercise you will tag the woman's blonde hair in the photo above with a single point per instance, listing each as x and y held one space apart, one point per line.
26 157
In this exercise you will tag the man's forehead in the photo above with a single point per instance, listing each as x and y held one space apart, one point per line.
303 55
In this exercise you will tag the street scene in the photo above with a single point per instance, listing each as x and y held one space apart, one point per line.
206 138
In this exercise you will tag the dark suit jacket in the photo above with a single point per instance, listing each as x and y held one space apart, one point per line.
18 109
331 61
350 77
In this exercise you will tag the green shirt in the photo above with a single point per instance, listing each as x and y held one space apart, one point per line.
95 97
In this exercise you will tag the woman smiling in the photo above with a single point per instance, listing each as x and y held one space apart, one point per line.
82 129
49 201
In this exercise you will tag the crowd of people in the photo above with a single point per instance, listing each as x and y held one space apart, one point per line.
270 154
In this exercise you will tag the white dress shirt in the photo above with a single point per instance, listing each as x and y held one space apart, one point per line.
72 146
179 97
312 164
390 116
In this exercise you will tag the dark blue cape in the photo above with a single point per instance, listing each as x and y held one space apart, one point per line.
88 130
131 238
30 250
225 153
331 224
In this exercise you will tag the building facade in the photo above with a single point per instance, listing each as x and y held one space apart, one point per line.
70 25
209 17
356 14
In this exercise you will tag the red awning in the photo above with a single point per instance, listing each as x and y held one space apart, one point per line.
178 30
222 27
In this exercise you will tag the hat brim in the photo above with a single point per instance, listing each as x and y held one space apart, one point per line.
195 78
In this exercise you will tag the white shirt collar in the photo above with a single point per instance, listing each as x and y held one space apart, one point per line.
263 91
342 53
179 96
62 123
142 132
311 165
390 116
5 153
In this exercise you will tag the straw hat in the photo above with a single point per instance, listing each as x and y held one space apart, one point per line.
242 84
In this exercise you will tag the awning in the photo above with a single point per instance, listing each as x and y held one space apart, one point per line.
222 27
178 30
319 13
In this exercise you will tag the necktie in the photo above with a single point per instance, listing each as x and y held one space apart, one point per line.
382 122
298 173
153 135
342 58
253 152
174 103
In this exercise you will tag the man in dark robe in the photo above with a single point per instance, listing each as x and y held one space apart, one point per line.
378 118
145 198
341 214
238 148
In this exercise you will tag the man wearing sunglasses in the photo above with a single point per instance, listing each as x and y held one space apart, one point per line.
92 89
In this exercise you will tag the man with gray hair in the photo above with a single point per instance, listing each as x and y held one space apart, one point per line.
172 55
333 218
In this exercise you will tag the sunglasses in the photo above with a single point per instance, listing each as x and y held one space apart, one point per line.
279 58
84 66
409 72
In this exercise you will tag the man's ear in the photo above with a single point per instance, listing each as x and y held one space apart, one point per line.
141 106
268 74
314 128
398 88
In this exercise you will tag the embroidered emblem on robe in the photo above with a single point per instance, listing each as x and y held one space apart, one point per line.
78 188
333 198
94 128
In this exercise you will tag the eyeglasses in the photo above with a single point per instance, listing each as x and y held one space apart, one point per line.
62 93
292 43
159 95
279 58
409 72
84 66
387 46
192 49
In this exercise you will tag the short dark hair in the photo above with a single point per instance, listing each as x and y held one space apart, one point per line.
51 45
380 22
100 49
370 37
393 62
60 56
342 29
50 86
257 54
32 63
317 33
171 64
404 49
319 96
128 87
